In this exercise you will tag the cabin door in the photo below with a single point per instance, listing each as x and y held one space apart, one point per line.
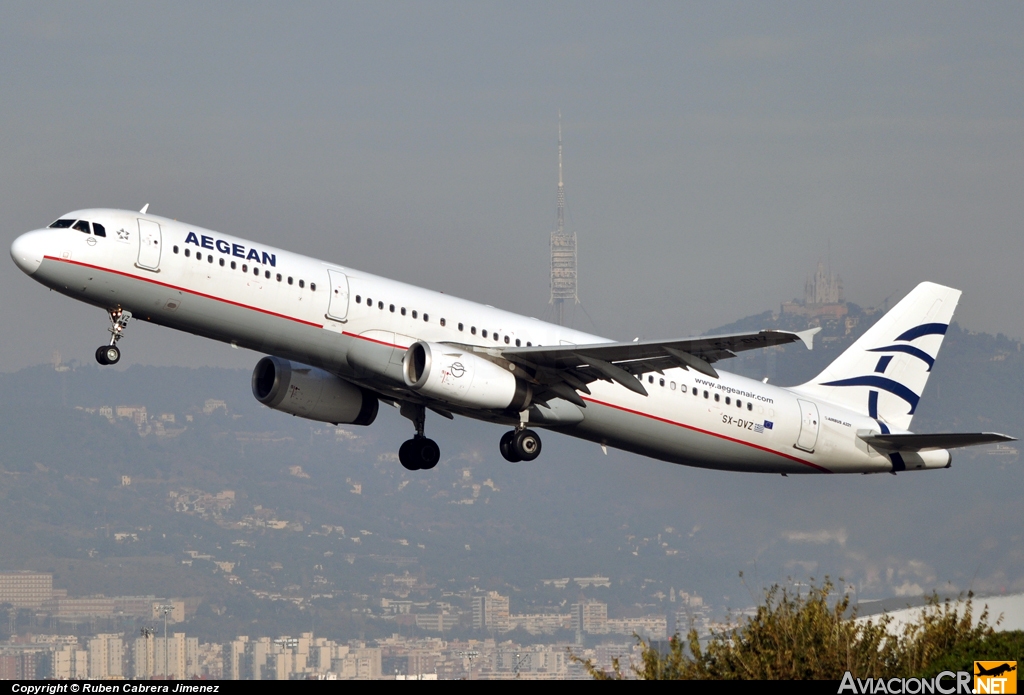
149 245
338 308
808 426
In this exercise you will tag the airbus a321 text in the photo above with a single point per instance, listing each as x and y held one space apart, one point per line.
339 341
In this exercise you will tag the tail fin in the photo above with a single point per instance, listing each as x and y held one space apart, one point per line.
883 374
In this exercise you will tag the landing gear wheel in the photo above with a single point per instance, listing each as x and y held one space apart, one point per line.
407 456
526 445
112 354
108 354
419 453
506 448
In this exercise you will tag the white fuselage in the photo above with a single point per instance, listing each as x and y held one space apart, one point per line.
293 306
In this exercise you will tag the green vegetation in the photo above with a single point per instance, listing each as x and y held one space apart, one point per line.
795 636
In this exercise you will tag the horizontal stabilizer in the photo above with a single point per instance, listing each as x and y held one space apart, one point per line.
927 442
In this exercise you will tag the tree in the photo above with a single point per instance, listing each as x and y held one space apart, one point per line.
796 636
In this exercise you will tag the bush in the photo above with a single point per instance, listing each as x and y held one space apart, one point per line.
793 636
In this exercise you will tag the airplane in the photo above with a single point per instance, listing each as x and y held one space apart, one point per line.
340 341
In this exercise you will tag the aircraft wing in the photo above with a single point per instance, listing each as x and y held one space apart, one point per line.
928 442
565 369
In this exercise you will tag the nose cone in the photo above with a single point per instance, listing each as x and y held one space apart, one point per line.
27 250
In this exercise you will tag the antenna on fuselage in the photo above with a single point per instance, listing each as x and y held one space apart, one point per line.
144 208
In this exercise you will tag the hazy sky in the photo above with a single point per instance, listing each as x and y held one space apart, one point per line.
714 152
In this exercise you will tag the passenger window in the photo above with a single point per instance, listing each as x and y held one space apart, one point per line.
209 258
650 380
98 229
506 340
661 382
460 326
175 249
255 271
750 406
473 330
199 256
62 224
716 398
694 390
312 287
82 226
426 317
233 266
672 385
517 342
359 300
529 344
302 283
728 401
705 394
442 322
391 308
290 280
266 274
278 275
222 263
414 313
739 403
245 268
484 332
403 311
369 302
380 305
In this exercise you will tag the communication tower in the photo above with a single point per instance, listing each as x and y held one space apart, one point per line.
563 250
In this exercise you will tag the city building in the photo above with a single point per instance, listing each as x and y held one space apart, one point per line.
590 617
25 589
490 612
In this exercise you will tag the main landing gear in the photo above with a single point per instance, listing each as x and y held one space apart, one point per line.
418 453
111 354
519 445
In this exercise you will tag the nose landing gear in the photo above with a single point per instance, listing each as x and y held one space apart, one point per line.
519 445
111 354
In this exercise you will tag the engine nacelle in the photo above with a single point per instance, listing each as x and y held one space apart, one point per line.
311 393
459 377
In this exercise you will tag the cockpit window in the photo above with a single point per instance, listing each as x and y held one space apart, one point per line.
98 229
82 226
62 224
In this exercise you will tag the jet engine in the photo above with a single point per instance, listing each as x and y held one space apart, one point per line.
459 377
311 393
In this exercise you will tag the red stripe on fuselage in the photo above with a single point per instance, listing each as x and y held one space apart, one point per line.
184 289
707 432
380 342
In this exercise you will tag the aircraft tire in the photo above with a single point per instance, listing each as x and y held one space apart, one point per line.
505 447
526 445
111 354
429 454
101 355
407 455
419 454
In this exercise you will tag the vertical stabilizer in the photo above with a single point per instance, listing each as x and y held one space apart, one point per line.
884 373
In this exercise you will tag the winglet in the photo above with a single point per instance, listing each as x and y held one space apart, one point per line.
808 336
144 208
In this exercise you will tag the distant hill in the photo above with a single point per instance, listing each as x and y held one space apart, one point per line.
321 517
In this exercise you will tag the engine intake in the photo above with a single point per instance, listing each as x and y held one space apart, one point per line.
459 377
311 393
